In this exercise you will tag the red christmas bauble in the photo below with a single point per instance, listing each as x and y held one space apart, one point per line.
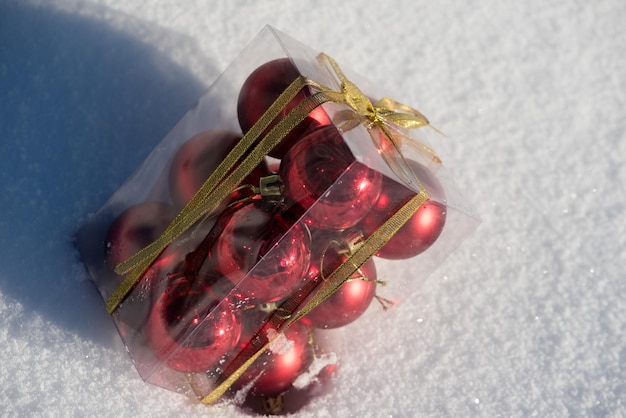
134 229
352 299
264 231
313 165
198 158
193 325
421 230
279 366
262 88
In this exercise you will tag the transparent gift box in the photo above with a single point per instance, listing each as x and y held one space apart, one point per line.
252 230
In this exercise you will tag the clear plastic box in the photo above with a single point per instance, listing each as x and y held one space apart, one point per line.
303 229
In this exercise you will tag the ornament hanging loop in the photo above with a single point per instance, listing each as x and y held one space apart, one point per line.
270 187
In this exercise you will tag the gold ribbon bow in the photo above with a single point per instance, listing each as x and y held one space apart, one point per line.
385 114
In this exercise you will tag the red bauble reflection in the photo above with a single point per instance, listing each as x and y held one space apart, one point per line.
279 366
317 162
351 300
255 231
262 88
422 230
418 234
196 160
188 329
134 229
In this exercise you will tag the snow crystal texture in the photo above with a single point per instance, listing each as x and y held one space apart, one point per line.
527 318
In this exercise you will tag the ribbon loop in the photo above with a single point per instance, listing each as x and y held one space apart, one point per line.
383 111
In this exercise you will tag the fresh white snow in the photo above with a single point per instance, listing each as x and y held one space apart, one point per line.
527 318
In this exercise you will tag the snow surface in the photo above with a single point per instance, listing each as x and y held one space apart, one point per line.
527 318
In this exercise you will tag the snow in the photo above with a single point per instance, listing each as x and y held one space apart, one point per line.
525 319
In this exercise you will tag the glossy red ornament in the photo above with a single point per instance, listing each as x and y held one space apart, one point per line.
352 299
198 158
422 230
279 366
262 88
313 165
312 381
261 230
134 229
193 325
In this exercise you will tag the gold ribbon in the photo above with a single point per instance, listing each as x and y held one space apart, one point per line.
385 114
